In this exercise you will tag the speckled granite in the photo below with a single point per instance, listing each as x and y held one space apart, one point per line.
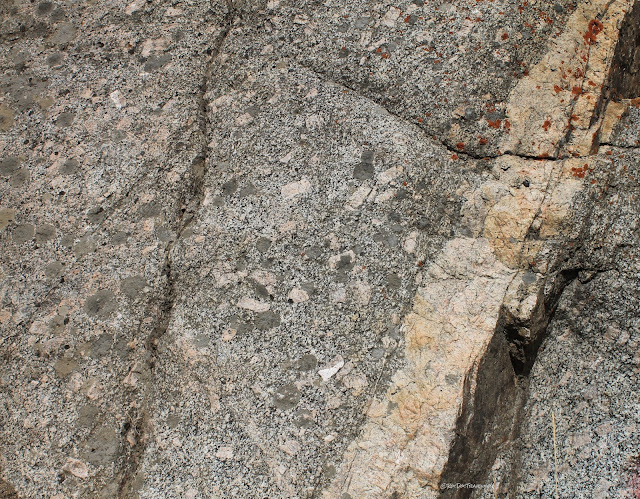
318 249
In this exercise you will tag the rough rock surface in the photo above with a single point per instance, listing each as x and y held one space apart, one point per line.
319 249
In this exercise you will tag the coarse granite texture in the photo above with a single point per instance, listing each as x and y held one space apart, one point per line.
97 168
318 249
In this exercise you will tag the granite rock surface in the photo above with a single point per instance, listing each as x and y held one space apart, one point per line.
304 249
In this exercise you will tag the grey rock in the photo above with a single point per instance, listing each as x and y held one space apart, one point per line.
103 303
23 233
45 233
279 248
286 397
9 165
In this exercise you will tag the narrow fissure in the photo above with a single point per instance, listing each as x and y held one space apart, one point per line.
453 150
188 205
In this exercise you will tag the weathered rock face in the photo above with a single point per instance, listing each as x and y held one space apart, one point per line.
311 249
102 146
585 374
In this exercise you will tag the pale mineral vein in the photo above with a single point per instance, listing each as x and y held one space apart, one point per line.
405 443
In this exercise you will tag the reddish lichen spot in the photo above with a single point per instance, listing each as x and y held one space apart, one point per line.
454 156
505 36
546 125
557 89
576 91
507 125
580 172
385 55
483 141
460 146
595 27
494 124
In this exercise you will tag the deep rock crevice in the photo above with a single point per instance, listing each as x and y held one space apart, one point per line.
491 415
623 80
624 75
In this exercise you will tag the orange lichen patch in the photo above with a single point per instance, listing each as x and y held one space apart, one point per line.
577 92
454 156
483 141
507 125
460 146
546 125
580 171
557 89
595 27
505 36
494 124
